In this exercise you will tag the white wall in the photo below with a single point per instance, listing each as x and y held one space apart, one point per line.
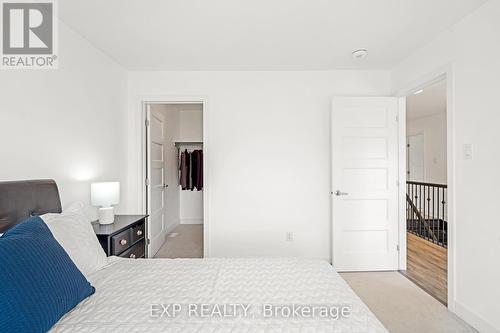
67 124
191 123
434 130
472 48
171 119
267 157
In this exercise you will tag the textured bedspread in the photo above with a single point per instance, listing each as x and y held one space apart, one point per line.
219 295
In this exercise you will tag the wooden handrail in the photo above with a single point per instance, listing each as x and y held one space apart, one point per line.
427 184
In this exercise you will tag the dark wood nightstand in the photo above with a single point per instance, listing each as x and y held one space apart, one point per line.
126 237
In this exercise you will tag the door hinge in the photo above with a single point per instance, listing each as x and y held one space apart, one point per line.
147 182
149 241
397 183
146 122
397 247
397 118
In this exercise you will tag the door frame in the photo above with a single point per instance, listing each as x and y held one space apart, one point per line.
445 72
143 102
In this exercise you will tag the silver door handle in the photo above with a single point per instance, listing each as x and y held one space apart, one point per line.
339 193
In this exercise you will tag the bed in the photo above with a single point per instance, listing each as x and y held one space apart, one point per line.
200 295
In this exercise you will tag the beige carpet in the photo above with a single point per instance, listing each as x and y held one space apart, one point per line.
401 305
188 243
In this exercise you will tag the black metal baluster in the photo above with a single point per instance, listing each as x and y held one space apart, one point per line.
444 213
431 214
424 199
436 206
413 225
411 210
426 231
407 204
428 209
439 212
416 206
413 191
419 207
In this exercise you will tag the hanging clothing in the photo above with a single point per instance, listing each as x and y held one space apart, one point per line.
191 170
199 170
194 167
183 178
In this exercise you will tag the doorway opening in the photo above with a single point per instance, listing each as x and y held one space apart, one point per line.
427 189
174 164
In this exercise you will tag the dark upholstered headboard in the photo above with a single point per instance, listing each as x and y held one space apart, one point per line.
22 199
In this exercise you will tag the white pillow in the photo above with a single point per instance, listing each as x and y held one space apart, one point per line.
74 232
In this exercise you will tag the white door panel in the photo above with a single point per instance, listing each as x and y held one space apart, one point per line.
155 174
365 170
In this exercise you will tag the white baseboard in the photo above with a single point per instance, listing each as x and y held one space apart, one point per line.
191 221
476 321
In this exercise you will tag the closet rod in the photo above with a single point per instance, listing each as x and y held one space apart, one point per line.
188 143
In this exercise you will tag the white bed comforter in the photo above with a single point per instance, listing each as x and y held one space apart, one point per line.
127 291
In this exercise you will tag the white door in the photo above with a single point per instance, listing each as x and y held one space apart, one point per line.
415 157
155 176
364 183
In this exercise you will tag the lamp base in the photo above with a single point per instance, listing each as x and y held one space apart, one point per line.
106 215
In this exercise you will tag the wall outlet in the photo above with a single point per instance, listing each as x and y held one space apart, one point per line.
289 236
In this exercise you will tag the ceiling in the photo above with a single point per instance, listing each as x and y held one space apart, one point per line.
260 34
430 102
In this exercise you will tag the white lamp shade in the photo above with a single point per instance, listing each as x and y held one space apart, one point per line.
105 194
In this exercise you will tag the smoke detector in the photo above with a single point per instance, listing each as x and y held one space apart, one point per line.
360 53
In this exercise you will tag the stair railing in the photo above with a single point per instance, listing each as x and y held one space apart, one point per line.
426 212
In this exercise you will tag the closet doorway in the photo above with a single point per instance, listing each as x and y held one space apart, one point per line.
174 186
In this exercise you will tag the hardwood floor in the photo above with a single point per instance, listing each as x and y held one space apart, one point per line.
427 266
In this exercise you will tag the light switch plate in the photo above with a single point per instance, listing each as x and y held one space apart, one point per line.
468 151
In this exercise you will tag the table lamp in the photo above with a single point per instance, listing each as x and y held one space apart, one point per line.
105 195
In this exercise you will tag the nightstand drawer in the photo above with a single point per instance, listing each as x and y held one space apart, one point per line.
121 241
124 234
136 251
137 232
